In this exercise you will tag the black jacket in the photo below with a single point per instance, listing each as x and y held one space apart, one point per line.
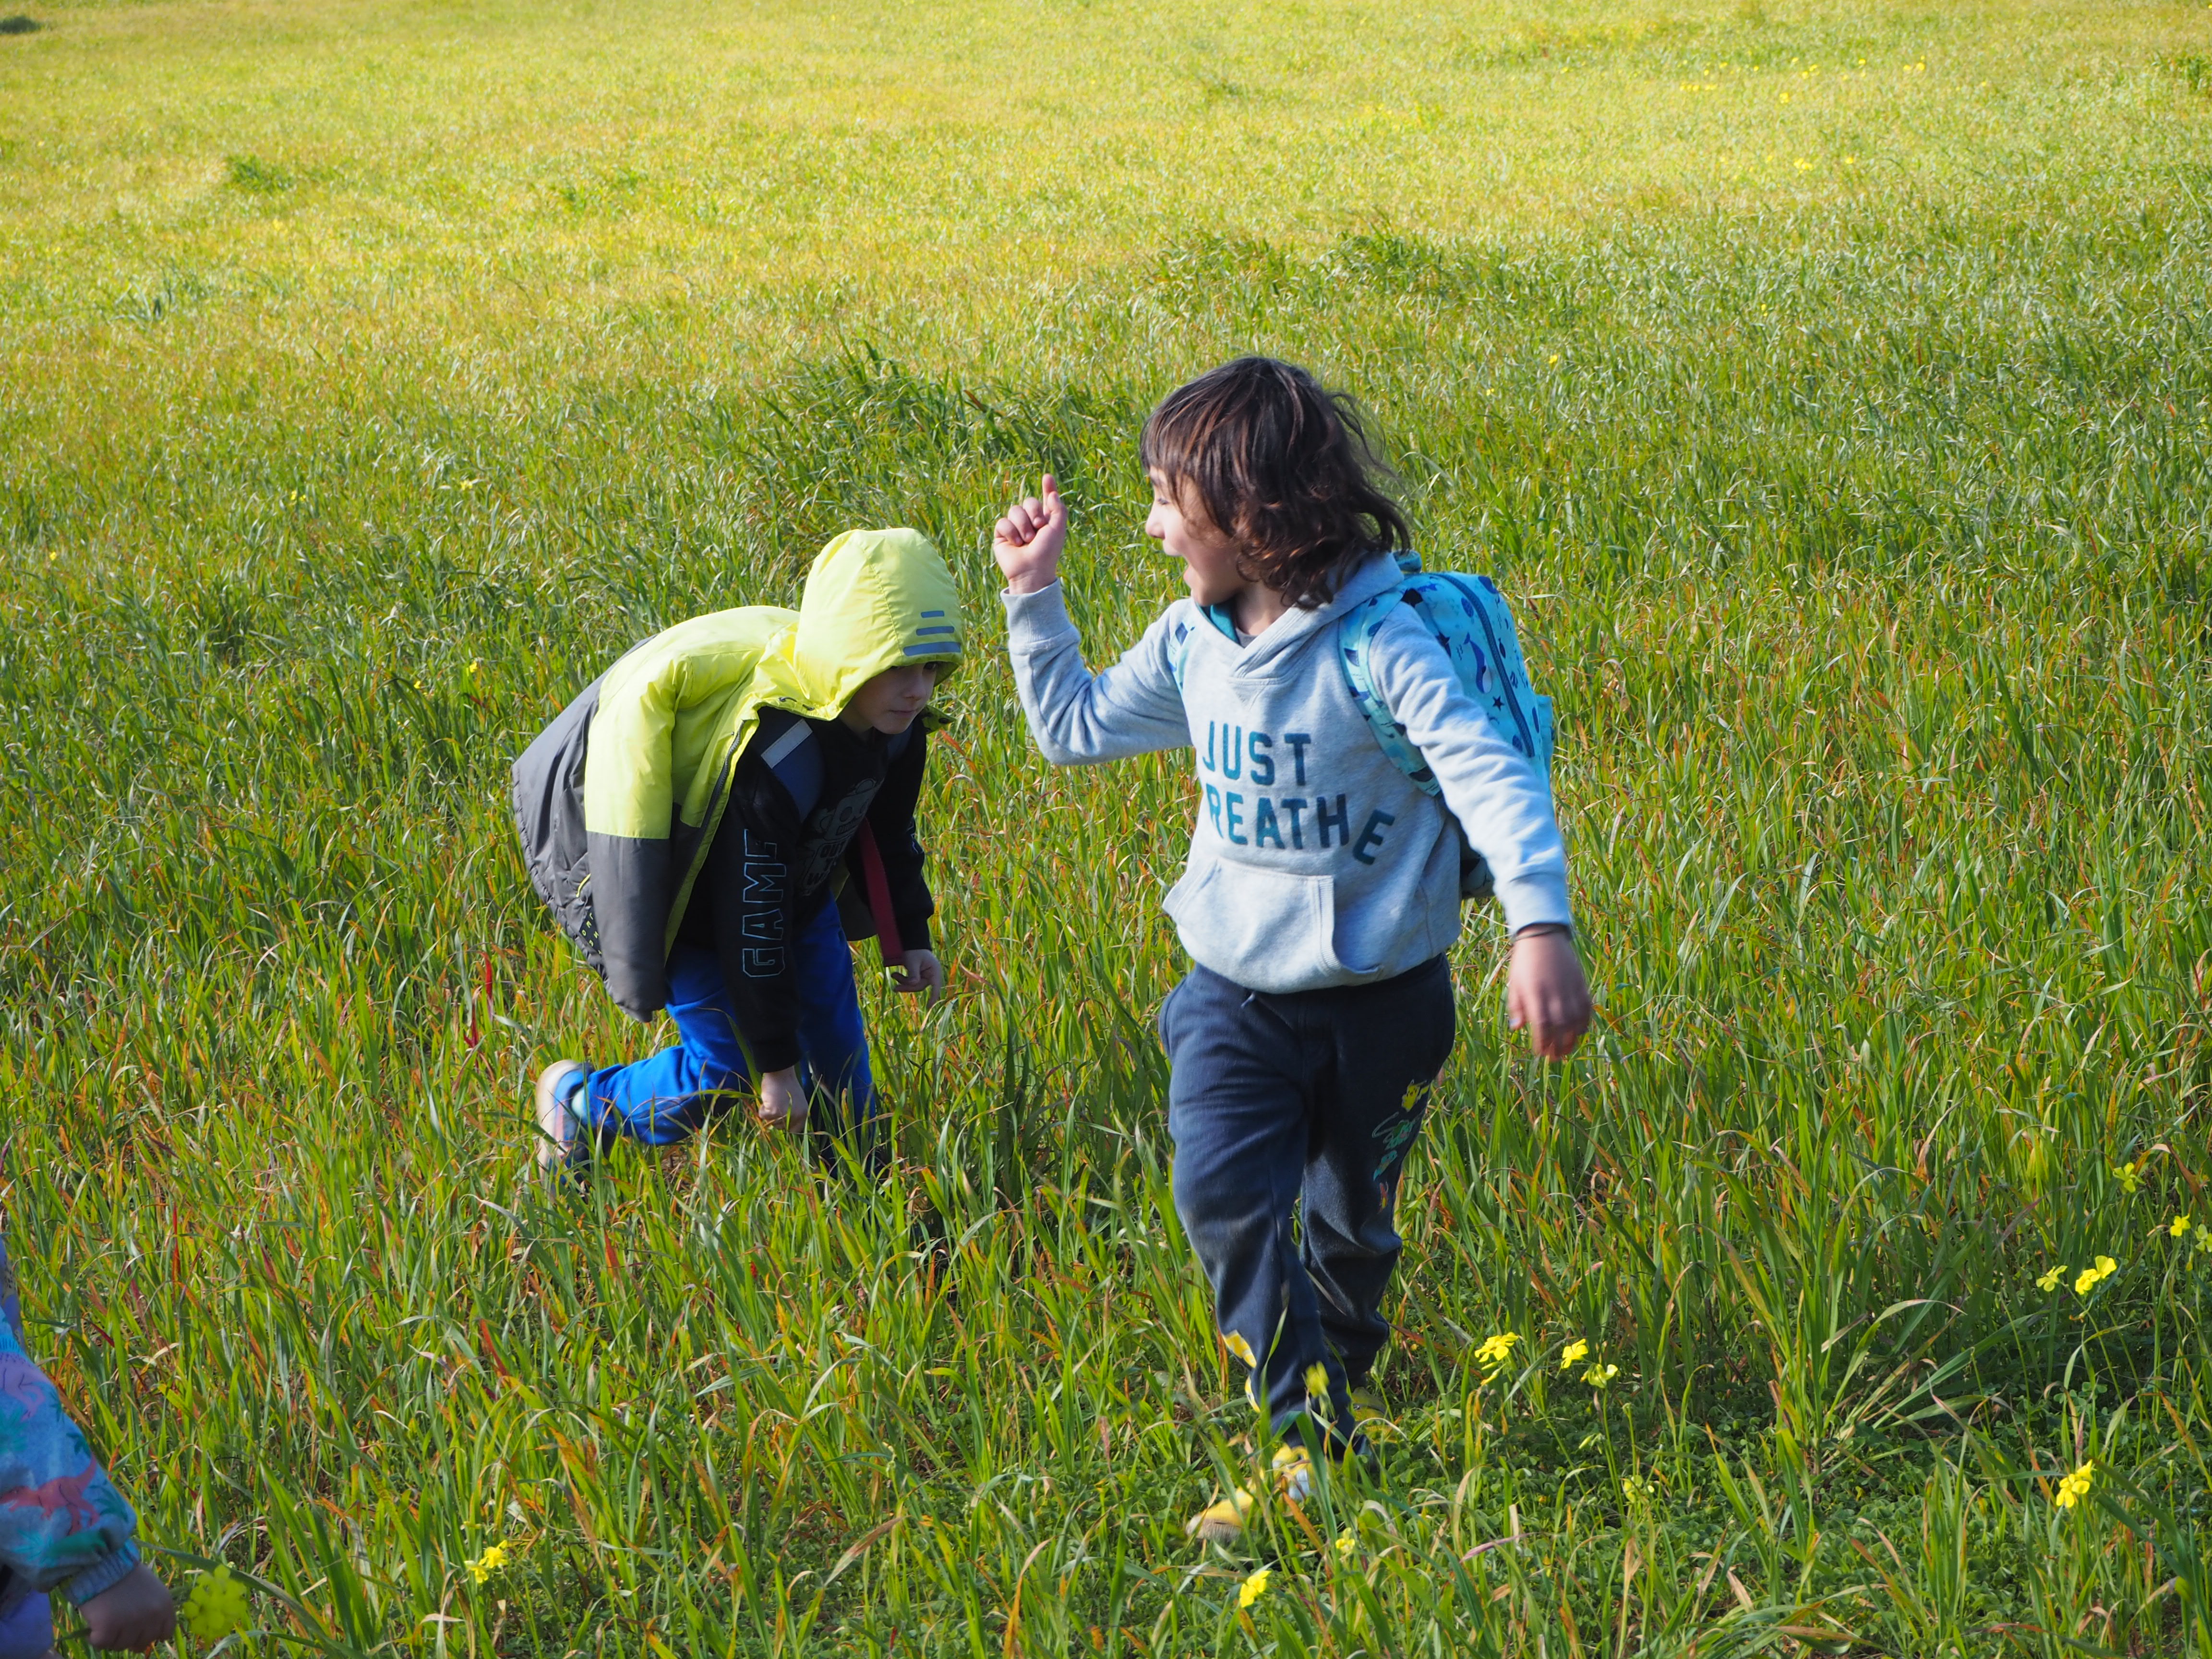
785 848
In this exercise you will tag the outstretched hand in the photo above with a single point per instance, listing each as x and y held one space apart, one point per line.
1028 540
921 971
132 1613
1546 992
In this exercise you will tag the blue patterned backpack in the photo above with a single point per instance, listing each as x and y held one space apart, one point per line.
1469 619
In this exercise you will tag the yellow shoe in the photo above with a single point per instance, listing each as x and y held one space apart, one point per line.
1369 1415
1223 1521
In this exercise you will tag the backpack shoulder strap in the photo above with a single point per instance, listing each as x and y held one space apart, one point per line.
1355 638
789 751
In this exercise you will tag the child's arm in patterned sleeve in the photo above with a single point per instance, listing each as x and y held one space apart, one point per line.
62 1522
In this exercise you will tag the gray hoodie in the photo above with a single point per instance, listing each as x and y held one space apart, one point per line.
1314 861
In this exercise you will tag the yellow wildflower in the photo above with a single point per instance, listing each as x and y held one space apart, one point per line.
2050 1281
1574 1351
1496 1349
1240 1347
2090 1277
1252 1589
216 1605
1345 1543
1598 1376
2129 1176
2179 1227
488 1563
1317 1381
2204 1238
2075 1487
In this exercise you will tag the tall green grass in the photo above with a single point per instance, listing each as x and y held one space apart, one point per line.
1859 528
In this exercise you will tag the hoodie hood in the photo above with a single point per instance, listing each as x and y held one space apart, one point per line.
874 599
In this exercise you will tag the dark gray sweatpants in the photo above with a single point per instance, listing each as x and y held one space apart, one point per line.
1302 1101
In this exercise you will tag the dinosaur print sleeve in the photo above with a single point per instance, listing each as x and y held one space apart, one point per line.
62 1522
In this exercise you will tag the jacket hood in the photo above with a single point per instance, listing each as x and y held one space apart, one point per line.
874 599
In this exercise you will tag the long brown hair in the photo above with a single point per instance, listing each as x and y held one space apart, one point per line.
1282 466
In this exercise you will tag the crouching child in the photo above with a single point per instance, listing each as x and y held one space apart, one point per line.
715 817
63 1525
1362 762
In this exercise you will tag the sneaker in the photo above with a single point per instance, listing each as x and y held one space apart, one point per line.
1223 1521
556 1125
1370 1416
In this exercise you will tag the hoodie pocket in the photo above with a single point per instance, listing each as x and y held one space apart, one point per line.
1268 930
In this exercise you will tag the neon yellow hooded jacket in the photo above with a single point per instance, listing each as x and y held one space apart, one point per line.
618 799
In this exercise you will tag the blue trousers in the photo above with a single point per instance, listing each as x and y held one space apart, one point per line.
27 1630
1291 1116
671 1095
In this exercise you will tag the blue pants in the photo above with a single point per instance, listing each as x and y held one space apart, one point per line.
27 1630
671 1095
1302 1101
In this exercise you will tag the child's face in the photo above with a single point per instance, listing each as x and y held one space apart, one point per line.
890 702
1208 556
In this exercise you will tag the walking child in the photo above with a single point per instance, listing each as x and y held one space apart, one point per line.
63 1525
1323 884
699 817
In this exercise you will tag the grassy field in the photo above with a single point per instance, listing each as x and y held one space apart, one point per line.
1830 385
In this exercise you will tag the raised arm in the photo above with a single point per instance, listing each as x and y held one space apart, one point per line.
1077 717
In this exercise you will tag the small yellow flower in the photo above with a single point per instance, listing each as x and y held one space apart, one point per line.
1574 1351
1317 1382
2129 1176
1804 166
2204 1238
1345 1543
2179 1227
1252 1589
1598 1376
2090 1277
488 1563
216 1605
1496 1349
2075 1487
2050 1281
1240 1347
1554 363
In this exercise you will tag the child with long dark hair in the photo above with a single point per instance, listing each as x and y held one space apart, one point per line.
1326 870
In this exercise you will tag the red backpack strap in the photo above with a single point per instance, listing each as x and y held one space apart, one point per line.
877 886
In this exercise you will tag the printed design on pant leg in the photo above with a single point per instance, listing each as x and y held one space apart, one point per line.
1235 1342
1396 1131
